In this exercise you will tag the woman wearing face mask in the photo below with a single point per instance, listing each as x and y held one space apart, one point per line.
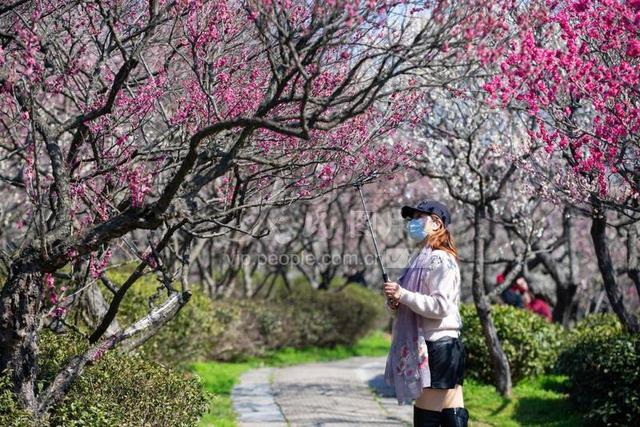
426 360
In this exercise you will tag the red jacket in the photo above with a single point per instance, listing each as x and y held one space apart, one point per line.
539 306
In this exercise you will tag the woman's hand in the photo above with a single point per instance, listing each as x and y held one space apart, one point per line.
392 290
393 304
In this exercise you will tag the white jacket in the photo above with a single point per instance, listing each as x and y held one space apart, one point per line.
439 305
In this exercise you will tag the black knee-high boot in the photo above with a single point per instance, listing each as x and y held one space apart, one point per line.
426 418
455 417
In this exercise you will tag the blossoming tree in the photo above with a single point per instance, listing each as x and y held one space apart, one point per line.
573 67
459 147
126 124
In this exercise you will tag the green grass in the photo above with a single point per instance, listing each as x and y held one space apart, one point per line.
219 379
535 402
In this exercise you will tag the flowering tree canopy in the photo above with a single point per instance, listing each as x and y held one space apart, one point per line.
127 123
574 67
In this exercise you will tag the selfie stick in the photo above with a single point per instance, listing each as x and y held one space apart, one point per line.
358 185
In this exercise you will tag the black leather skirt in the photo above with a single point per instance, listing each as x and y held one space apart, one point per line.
446 362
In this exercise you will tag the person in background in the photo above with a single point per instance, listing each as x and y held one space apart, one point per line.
537 304
513 294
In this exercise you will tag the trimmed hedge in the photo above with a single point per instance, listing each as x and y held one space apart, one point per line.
603 366
119 390
530 343
327 318
235 329
598 324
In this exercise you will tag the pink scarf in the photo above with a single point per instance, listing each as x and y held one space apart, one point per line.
407 368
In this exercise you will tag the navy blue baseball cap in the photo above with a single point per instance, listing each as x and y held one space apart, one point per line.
428 207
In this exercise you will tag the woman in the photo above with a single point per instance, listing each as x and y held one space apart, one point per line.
426 360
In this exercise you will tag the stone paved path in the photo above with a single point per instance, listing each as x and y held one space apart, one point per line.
319 394
254 402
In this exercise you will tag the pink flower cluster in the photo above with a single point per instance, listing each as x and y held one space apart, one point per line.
139 182
143 101
326 175
56 298
96 268
573 61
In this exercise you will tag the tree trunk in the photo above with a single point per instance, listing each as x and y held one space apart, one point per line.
248 282
20 302
562 312
632 256
566 285
499 362
614 293
93 308
489 282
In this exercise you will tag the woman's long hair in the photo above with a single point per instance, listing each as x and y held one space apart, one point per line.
442 239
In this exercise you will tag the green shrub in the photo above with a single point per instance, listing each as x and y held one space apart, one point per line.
198 323
302 318
530 343
327 318
119 390
603 366
10 413
599 324
186 337
233 329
